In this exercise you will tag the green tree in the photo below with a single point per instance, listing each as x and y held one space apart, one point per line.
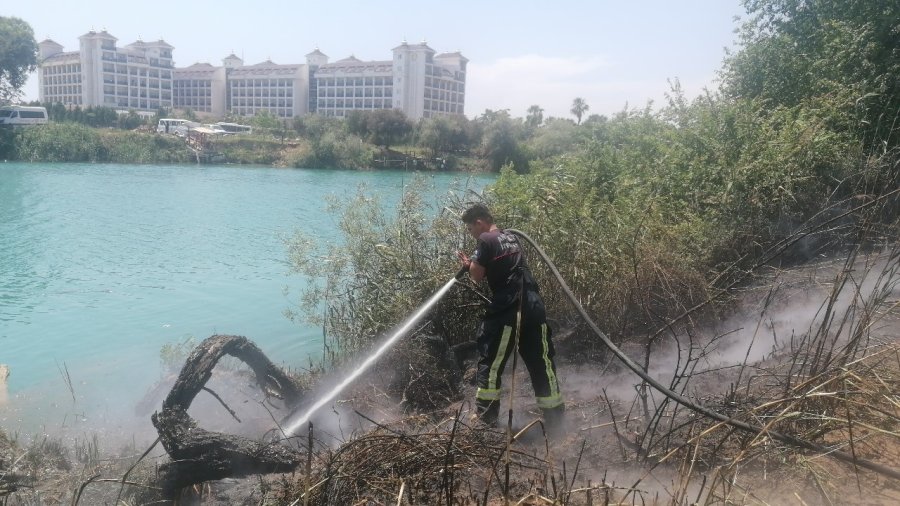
443 134
18 56
314 126
535 116
490 115
130 121
356 124
265 119
556 137
797 50
501 141
382 127
388 127
579 107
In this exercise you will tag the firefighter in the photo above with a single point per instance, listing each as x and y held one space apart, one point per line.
498 256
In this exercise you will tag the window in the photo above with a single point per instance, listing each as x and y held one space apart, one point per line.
32 114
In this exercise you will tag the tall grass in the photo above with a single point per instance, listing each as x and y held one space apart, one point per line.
72 142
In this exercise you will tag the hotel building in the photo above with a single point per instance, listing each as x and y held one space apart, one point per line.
282 90
140 76
417 81
137 76
201 88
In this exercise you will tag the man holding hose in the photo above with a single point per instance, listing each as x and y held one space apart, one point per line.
499 257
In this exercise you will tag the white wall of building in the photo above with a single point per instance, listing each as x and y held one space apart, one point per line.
136 77
140 76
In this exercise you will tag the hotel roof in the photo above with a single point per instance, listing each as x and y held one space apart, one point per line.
197 70
63 56
355 65
267 69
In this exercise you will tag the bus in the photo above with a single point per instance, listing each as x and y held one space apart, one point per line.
233 128
20 115
174 126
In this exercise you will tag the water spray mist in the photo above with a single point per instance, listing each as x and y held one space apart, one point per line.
415 317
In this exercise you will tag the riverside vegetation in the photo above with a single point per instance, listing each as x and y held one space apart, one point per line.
660 219
362 140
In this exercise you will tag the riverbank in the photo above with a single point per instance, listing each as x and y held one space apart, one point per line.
616 447
73 142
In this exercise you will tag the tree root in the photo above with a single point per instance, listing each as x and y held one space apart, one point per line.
199 455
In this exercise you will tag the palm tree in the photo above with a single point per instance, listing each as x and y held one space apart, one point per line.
535 116
579 107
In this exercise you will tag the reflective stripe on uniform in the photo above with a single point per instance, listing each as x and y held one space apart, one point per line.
548 402
487 394
498 359
554 399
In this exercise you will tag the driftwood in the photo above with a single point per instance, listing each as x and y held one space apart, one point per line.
199 455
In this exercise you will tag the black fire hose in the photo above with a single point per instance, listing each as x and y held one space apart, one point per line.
684 401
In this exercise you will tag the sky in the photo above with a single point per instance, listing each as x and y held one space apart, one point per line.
611 53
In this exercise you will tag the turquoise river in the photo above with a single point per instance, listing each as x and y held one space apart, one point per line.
103 265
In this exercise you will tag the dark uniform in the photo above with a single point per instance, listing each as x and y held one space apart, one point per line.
507 273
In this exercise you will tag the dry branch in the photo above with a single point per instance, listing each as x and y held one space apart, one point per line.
199 455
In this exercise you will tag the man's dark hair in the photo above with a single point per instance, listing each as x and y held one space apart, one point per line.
477 212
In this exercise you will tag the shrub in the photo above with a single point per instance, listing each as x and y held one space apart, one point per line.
72 142
385 267
333 150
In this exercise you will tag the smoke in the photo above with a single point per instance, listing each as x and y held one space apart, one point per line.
831 299
828 298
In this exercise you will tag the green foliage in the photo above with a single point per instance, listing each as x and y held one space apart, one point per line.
265 120
556 137
645 209
100 117
795 51
382 127
333 150
313 126
502 141
579 107
71 142
173 355
383 268
446 134
60 143
8 143
535 116
18 56
138 147
253 149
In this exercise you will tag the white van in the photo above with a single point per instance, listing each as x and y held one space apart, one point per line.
20 115
174 126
